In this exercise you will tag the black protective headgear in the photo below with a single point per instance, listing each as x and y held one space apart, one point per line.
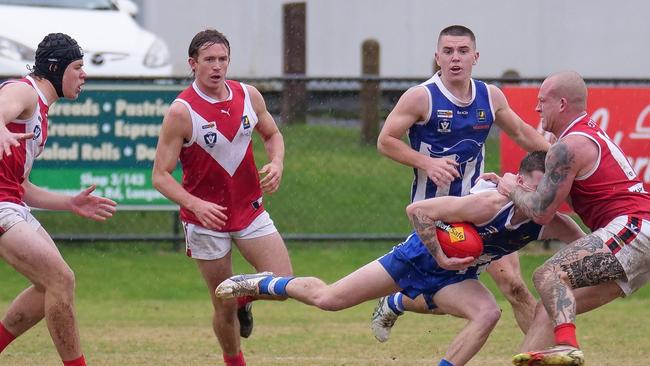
53 55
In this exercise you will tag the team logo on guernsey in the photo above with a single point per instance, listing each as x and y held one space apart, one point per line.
37 132
445 113
245 122
210 139
444 125
481 115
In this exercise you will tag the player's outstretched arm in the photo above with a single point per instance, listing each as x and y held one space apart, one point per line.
84 204
521 132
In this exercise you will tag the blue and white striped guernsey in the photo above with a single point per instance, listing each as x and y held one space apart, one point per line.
454 129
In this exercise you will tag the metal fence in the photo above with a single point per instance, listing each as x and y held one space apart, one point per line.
335 186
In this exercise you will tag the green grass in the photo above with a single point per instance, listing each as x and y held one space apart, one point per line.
138 305
331 184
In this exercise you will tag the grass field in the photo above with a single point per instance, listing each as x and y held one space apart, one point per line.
141 306
146 305
331 184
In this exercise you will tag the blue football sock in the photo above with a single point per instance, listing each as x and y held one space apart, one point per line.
444 362
395 303
272 285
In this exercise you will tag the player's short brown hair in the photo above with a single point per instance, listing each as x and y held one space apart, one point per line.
533 161
458 31
205 38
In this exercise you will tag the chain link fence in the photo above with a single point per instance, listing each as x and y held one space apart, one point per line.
335 186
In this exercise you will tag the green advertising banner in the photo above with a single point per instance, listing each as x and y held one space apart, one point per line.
106 137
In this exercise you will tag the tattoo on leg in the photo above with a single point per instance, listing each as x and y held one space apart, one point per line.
586 262
594 269
587 245
565 304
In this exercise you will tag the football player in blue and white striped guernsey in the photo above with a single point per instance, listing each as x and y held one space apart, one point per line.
447 119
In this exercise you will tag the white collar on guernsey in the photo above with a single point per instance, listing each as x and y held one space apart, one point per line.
452 98
208 98
38 91
482 186
580 117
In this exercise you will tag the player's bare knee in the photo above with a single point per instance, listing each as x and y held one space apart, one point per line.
486 316
225 310
494 317
61 281
490 316
541 275
329 301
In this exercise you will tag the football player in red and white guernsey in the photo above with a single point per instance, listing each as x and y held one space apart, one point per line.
209 128
24 244
586 166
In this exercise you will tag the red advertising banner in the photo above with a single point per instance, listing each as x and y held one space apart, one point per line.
623 113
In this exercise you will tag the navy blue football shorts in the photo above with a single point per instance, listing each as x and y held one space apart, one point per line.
414 270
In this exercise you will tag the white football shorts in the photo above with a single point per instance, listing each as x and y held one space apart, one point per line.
206 244
11 214
628 238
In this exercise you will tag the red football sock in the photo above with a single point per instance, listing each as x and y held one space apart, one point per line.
5 337
81 361
234 360
243 300
565 333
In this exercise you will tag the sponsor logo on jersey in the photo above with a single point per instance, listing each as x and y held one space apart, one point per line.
481 115
210 139
209 125
37 132
463 112
444 125
444 113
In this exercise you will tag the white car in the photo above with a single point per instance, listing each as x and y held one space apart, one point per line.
114 44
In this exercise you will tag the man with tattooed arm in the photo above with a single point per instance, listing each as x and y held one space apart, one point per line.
614 260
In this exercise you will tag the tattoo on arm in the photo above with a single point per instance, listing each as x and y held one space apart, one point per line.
558 166
425 227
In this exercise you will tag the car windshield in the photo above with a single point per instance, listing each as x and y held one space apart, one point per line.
71 4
